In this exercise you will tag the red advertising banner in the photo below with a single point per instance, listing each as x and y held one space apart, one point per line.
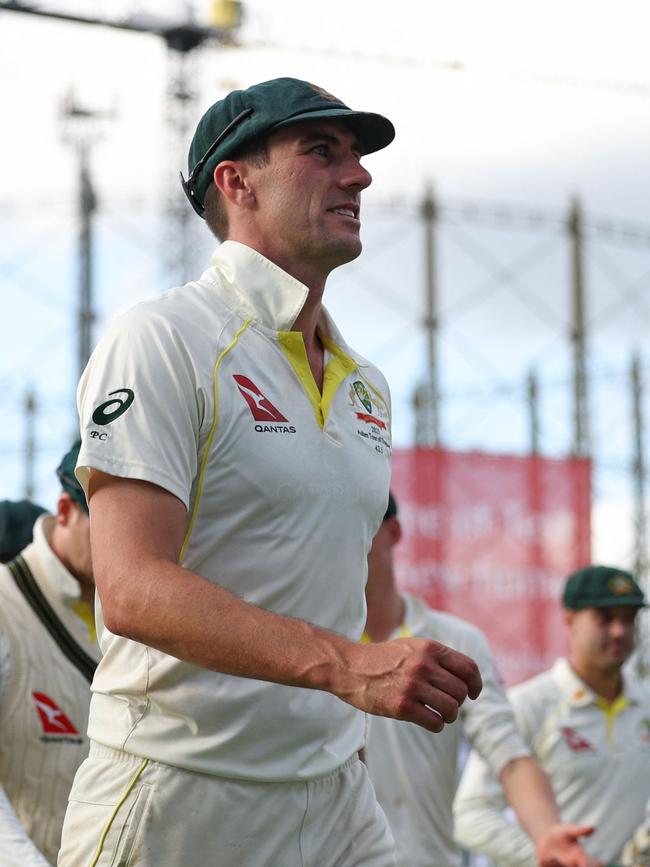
491 538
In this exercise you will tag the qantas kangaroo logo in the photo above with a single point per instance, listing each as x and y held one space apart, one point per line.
53 720
575 741
259 405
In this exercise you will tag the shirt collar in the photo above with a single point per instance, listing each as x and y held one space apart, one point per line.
260 288
415 612
57 576
576 690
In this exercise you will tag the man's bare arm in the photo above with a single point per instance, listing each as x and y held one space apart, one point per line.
530 795
136 535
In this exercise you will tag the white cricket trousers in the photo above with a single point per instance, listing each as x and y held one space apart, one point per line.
125 811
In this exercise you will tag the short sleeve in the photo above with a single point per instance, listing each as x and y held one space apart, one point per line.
139 405
489 722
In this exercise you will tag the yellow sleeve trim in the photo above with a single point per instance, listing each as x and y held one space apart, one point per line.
213 427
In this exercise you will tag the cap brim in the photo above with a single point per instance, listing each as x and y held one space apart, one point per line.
608 602
373 130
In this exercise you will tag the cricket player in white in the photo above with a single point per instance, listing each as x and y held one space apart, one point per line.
47 656
587 723
415 774
236 457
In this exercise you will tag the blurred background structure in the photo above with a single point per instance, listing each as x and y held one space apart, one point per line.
504 287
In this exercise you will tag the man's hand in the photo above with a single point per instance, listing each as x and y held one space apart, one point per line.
559 847
410 679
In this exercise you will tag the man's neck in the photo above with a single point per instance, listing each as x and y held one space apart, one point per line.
307 323
386 609
606 684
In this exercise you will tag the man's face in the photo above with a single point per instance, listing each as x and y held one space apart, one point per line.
75 532
308 195
602 638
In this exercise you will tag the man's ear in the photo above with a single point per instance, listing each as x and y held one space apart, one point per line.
231 179
64 508
395 530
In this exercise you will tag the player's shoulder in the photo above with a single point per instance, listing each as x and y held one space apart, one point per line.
540 686
446 627
179 321
191 305
637 690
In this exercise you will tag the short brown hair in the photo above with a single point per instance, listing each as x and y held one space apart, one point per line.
257 154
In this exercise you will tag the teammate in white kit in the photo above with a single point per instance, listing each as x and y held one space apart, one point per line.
586 722
47 657
415 773
236 458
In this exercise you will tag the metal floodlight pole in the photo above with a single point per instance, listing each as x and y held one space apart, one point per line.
181 224
81 133
225 20
581 439
532 395
87 208
31 407
639 474
427 396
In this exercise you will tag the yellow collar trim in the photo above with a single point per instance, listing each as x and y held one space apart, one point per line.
85 613
611 711
338 368
404 632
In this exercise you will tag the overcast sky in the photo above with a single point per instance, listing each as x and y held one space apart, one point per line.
519 105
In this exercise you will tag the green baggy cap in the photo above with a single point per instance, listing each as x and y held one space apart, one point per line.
601 587
245 114
17 519
391 508
65 472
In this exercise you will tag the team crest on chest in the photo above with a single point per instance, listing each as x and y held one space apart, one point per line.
371 416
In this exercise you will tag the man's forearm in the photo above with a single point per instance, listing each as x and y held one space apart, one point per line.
530 795
173 610
137 531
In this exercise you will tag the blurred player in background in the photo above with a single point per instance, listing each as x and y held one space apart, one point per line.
47 657
17 518
636 852
236 455
415 773
587 723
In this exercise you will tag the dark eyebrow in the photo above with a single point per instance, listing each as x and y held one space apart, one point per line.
316 135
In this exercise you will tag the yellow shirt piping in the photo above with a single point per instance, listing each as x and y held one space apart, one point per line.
213 427
338 368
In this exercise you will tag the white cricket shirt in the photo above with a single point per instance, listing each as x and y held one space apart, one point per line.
597 757
414 772
44 702
208 394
